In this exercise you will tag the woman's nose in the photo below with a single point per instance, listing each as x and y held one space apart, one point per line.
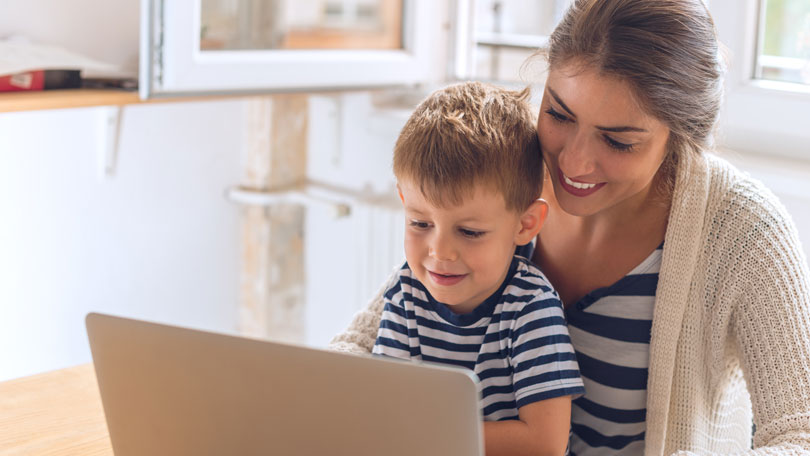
577 156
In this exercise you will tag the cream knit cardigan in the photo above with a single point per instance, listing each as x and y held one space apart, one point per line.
731 326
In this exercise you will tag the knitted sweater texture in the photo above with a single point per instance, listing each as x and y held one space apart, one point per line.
731 325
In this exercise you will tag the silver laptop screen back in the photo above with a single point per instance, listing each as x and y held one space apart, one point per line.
176 391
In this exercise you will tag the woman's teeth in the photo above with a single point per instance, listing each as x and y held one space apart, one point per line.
577 184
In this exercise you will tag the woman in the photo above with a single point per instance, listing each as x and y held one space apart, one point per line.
685 287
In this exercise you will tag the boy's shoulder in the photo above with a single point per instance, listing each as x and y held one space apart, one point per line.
529 290
403 280
527 274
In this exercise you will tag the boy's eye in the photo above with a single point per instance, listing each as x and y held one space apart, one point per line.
620 146
419 224
561 118
471 233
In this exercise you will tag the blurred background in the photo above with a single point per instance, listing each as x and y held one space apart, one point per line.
245 187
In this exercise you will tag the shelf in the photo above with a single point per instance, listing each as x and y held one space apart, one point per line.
79 98
61 99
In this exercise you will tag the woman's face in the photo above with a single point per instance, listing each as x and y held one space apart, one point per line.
602 150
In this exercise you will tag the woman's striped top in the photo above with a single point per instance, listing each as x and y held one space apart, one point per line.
610 330
516 341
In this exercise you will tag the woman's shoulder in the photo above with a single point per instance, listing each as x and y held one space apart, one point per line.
741 213
736 195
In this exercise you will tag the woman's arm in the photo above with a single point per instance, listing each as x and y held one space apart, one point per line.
541 430
769 285
771 327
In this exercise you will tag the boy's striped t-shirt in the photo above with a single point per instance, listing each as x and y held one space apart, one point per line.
516 341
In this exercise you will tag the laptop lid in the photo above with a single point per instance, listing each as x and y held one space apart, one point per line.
168 390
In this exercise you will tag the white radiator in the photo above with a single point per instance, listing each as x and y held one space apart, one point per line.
379 246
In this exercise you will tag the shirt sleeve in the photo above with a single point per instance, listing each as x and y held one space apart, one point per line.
393 337
543 360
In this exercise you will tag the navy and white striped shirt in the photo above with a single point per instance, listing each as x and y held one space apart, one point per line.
516 341
610 330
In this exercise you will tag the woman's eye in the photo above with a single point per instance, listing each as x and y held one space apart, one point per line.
557 116
419 224
471 233
620 146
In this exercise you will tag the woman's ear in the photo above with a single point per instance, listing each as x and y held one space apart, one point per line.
531 221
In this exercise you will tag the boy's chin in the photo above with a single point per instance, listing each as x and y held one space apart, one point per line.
455 304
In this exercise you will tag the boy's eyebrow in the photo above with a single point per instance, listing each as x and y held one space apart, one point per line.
470 219
610 129
410 208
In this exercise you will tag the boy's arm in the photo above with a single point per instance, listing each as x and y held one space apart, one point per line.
542 429
545 377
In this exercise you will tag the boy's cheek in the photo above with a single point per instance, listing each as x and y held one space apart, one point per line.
413 250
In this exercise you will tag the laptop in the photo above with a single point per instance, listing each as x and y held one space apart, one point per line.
168 390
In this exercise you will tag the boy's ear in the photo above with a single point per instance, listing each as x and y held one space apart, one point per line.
399 192
531 221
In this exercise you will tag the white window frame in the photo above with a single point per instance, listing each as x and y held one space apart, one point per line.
759 116
467 40
172 64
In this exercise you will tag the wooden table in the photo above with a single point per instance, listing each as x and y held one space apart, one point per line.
56 413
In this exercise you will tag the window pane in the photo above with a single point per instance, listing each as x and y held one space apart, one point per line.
300 24
785 41
509 31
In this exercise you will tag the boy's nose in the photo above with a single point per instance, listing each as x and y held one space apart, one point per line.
441 248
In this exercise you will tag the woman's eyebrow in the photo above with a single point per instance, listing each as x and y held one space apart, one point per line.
560 102
610 129
621 129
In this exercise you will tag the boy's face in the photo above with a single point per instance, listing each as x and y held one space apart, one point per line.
461 254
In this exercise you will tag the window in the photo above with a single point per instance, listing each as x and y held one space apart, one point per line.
767 96
505 33
226 46
294 24
768 83
784 43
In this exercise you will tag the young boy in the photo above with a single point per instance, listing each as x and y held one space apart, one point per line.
470 172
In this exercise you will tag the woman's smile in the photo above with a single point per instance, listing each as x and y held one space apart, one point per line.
578 188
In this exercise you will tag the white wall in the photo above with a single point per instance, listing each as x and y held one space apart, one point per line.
157 240
106 30
351 146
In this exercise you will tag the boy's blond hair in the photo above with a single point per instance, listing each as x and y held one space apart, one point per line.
470 134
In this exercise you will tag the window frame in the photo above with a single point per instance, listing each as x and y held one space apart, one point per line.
758 116
172 64
468 40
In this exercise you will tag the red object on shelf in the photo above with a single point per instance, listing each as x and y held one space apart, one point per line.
41 80
31 80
